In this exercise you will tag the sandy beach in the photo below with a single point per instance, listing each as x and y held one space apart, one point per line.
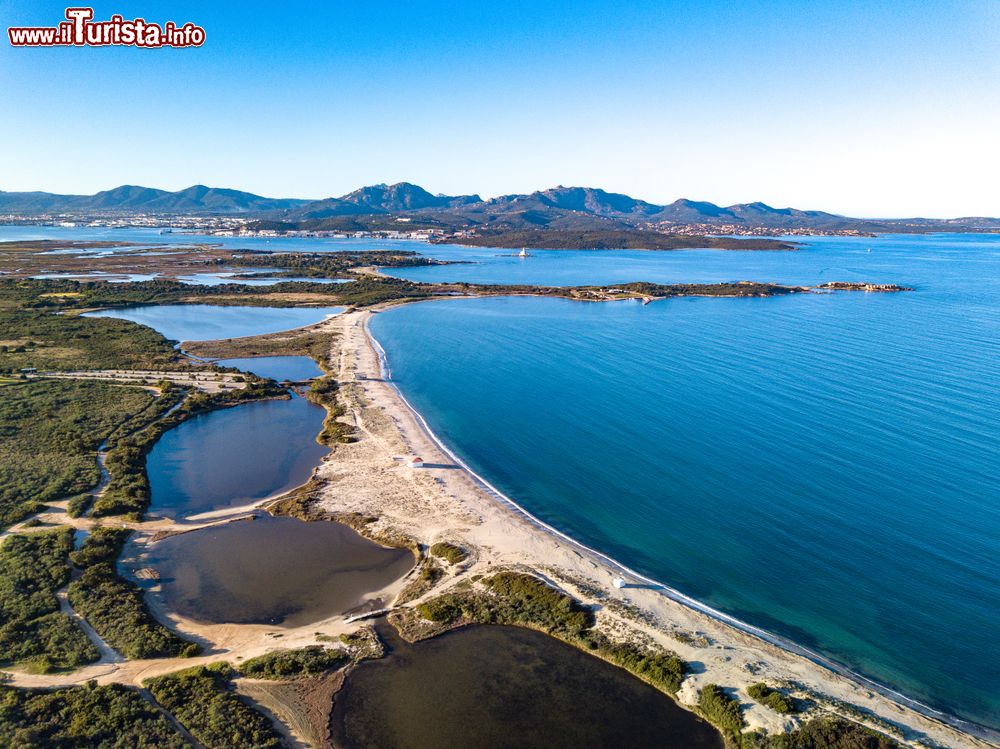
444 502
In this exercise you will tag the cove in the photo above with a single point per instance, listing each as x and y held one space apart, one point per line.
271 570
505 687
234 456
207 322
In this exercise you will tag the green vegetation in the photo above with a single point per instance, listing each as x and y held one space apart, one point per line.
329 264
721 710
833 734
50 431
115 607
309 343
821 733
518 599
522 600
40 339
88 717
323 391
202 699
450 552
285 664
33 632
772 698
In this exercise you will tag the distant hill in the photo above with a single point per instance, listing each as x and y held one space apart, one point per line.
134 199
379 199
382 206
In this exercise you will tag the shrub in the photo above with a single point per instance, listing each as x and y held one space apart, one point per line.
98 717
772 698
449 552
32 629
202 699
721 710
115 607
282 664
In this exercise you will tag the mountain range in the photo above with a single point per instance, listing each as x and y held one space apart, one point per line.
384 206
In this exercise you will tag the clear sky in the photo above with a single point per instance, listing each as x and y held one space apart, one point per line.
887 108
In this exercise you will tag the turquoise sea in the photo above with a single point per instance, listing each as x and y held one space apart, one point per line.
824 466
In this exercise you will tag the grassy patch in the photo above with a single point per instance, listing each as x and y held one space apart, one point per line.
202 699
286 664
50 431
91 717
33 632
449 552
115 607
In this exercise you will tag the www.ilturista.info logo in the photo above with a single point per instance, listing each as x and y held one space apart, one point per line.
80 30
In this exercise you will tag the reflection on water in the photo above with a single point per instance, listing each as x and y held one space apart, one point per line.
272 570
280 368
504 687
207 322
235 456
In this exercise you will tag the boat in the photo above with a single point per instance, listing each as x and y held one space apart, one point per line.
523 252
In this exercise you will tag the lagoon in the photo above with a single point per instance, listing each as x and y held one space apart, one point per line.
208 322
280 368
272 570
505 687
235 456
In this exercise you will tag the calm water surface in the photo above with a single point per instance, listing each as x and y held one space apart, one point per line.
207 322
825 466
505 687
235 456
272 570
294 368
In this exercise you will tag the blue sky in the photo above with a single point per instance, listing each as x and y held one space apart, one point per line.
866 108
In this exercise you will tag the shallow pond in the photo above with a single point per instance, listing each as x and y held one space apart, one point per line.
235 456
207 322
280 368
505 687
272 570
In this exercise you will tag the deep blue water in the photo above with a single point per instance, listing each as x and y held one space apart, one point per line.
207 322
825 466
279 368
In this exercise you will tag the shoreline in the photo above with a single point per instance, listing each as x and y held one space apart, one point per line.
899 709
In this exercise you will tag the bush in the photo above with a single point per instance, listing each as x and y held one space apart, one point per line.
32 629
449 552
721 710
772 698
91 717
203 701
50 431
283 664
831 733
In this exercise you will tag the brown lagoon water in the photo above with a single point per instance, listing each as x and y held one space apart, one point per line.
504 687
271 570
